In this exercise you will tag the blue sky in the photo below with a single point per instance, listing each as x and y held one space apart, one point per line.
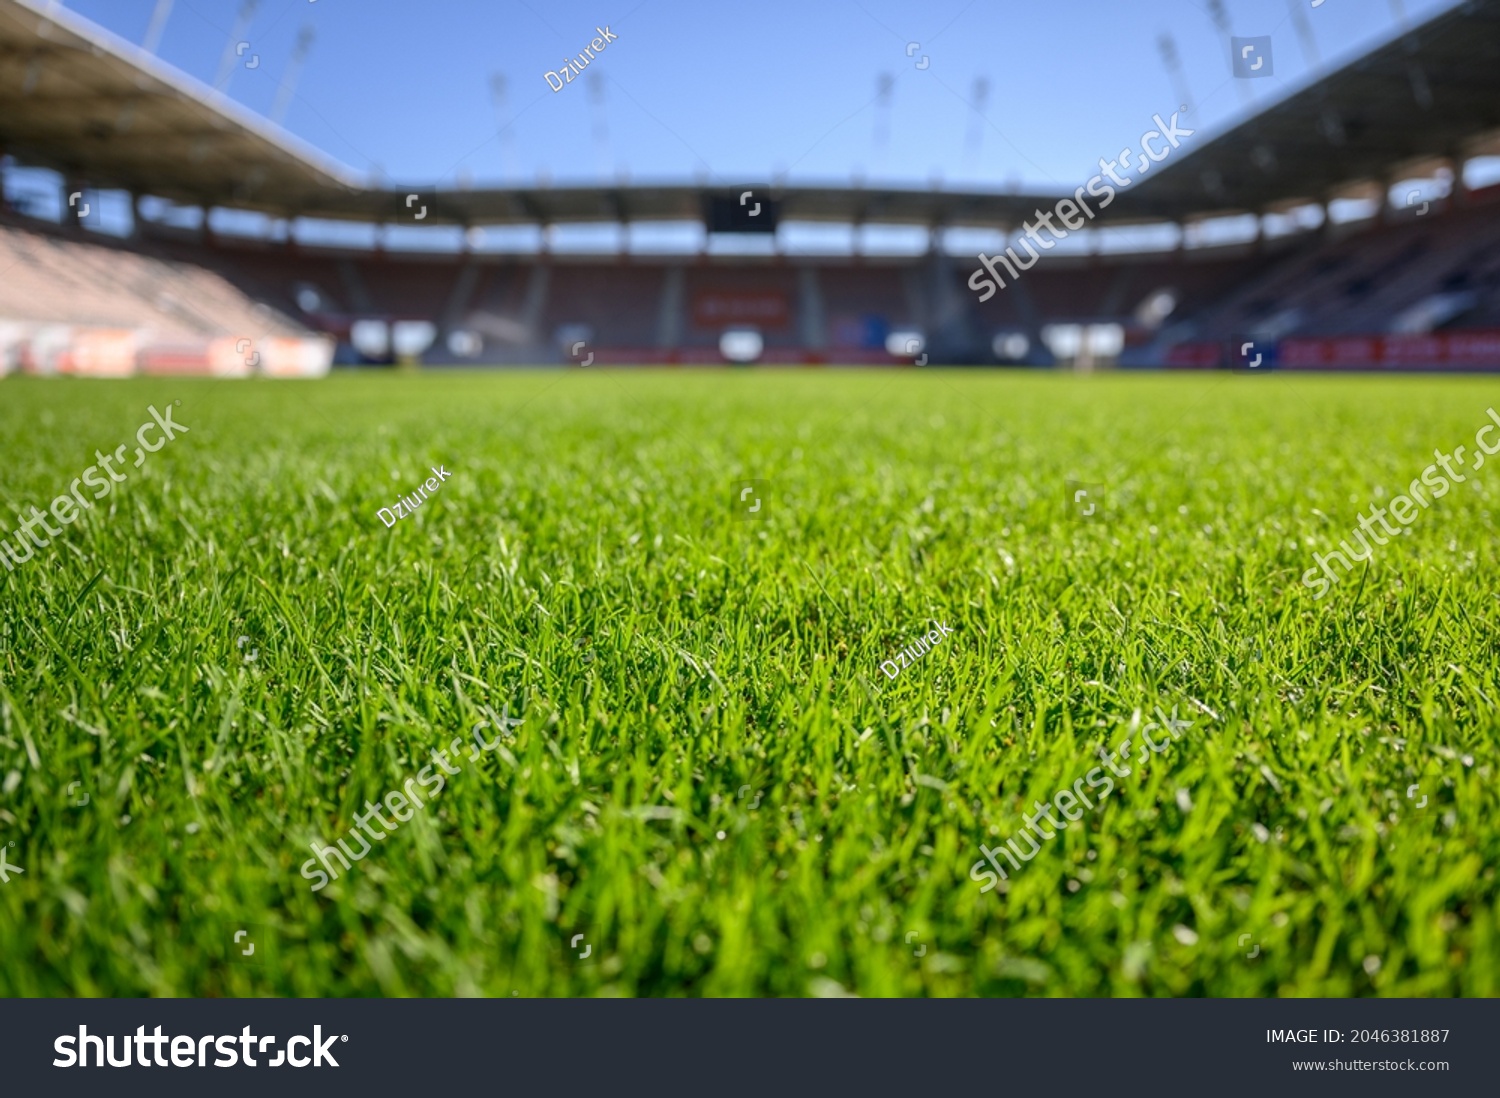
732 91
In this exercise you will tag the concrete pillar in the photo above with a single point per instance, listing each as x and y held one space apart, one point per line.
1325 227
669 317
1460 197
534 307
953 331
812 327
76 205
1390 205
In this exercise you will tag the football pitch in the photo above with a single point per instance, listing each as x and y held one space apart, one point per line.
624 657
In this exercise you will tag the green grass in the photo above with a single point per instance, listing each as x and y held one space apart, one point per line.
584 567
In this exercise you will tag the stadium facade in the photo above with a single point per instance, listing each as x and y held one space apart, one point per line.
1338 267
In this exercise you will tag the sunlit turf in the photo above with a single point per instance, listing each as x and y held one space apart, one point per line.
714 783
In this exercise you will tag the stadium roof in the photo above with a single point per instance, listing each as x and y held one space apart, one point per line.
76 98
79 99
1428 93
671 202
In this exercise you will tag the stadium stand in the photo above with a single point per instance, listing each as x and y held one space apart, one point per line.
1396 289
102 308
1425 275
619 307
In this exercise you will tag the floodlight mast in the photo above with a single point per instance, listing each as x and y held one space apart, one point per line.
498 90
231 55
157 26
288 89
1172 61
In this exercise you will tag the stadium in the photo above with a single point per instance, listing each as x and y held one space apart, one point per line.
1397 285
682 680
